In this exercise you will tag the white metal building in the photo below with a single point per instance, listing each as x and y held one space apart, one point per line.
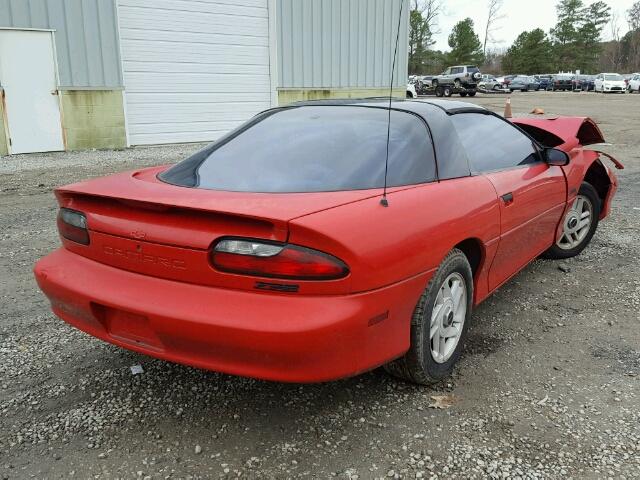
165 71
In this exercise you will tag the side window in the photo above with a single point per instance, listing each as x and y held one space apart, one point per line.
456 70
493 144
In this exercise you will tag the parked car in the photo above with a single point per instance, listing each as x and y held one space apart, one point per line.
634 83
523 83
266 255
545 81
562 82
505 80
590 83
580 82
610 83
464 76
489 82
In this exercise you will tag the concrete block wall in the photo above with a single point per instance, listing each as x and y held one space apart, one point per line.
93 119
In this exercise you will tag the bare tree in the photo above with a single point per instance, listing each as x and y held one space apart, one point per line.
430 10
494 8
614 50
633 16
633 53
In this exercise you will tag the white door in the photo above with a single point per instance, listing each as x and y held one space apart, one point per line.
28 76
193 69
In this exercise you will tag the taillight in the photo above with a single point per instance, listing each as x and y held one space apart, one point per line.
72 225
275 260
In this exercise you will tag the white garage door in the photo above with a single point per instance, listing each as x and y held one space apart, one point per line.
193 69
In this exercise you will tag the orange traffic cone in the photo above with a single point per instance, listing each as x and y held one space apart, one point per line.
507 109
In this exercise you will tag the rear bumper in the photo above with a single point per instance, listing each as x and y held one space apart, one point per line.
283 337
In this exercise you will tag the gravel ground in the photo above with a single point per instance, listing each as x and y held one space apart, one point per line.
549 385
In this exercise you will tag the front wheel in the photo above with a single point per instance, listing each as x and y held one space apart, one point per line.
439 324
579 224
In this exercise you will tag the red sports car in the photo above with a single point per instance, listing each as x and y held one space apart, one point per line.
270 254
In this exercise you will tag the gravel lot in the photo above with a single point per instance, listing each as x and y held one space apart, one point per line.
549 386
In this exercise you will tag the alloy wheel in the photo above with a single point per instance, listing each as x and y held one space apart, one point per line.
577 223
447 317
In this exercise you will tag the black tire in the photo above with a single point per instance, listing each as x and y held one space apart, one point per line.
463 94
457 84
471 94
447 91
409 95
418 365
558 253
434 83
439 91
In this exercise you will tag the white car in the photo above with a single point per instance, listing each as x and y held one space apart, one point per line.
609 83
634 83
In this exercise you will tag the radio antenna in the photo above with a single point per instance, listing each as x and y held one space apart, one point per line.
383 201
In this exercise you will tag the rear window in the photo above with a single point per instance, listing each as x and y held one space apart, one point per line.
313 149
472 69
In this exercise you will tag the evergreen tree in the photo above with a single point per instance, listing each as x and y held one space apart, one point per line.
465 45
589 47
532 52
577 34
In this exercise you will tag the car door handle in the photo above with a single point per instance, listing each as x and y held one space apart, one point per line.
507 198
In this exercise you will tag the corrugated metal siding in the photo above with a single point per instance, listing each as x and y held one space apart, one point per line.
340 43
86 37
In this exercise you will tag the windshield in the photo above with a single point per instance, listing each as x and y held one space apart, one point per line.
313 149
613 78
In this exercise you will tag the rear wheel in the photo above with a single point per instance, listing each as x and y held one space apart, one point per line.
463 94
472 94
439 91
447 91
439 324
579 224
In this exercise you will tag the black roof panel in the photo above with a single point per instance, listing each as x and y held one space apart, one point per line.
409 105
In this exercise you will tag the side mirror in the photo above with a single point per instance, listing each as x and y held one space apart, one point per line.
553 156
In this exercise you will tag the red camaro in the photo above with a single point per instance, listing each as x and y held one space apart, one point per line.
270 254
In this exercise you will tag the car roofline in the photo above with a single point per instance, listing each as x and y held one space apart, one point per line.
448 106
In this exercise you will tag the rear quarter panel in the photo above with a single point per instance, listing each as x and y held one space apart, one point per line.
411 236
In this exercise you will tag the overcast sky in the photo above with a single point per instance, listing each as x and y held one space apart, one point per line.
521 15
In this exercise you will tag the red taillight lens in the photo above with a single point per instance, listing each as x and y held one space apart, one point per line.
262 259
72 225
